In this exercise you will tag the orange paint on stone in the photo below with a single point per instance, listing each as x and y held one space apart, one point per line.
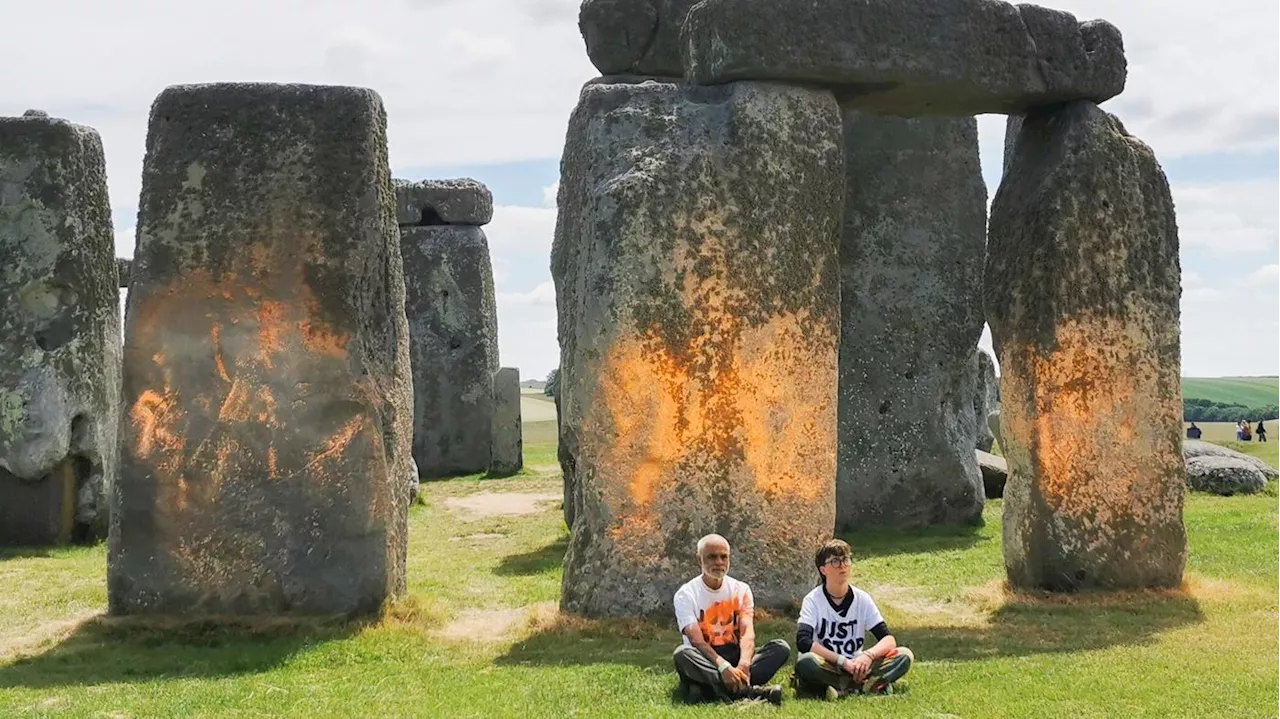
338 442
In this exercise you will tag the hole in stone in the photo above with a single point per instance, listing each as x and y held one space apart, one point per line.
55 335
909 375
430 217
455 344
884 407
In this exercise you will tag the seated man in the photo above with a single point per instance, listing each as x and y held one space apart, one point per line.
831 631
718 659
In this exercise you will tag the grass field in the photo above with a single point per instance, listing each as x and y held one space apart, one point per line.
479 636
1247 391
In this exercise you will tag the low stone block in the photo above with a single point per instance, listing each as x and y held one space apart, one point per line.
908 57
453 337
1225 476
461 201
911 286
266 376
695 258
1083 289
995 472
508 442
60 352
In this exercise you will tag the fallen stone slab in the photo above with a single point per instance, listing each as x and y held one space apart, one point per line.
911 265
1199 448
1225 476
909 57
460 201
453 345
699 336
1082 296
995 472
266 375
508 443
60 353
634 37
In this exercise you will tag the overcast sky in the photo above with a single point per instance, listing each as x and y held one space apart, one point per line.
485 87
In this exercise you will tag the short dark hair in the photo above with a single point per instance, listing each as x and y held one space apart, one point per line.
832 548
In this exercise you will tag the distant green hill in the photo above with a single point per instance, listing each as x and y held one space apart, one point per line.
1247 391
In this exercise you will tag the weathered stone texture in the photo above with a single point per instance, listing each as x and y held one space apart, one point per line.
124 268
995 472
1224 476
911 278
453 335
266 384
1192 448
986 398
1082 289
460 201
60 352
696 267
640 37
508 443
908 57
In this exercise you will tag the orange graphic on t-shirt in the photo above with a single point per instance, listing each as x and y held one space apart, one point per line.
719 622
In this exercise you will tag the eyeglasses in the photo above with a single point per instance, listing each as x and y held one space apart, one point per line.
838 562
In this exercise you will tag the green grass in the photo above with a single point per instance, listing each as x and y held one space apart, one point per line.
1247 391
478 636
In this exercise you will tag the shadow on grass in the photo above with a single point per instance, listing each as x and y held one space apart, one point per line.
535 562
108 650
1020 627
885 543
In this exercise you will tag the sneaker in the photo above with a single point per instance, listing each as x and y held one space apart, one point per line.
893 669
771 694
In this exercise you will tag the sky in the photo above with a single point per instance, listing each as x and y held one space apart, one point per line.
484 88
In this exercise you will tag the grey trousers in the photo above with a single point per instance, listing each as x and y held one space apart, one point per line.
694 668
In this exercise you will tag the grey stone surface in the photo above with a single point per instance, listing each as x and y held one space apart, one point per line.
458 201
1012 126
508 442
995 472
266 375
986 398
695 257
993 423
1192 448
453 335
911 285
565 457
639 37
60 353
1082 295
124 268
415 485
1223 475
908 57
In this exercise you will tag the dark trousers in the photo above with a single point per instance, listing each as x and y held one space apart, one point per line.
695 668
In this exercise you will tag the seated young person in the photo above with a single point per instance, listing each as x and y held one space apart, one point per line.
835 619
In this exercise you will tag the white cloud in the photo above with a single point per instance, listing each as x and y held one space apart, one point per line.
549 194
543 295
1228 218
1265 276
523 230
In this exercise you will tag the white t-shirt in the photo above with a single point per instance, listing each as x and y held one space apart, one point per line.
844 633
717 612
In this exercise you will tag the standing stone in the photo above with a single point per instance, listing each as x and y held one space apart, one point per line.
696 270
266 376
60 353
1083 286
124 268
911 278
453 340
508 443
986 398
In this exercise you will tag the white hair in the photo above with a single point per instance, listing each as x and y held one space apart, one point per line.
702 543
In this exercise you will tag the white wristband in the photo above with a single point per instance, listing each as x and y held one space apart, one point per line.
723 665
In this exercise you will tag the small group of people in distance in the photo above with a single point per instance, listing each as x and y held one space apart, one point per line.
1244 431
719 659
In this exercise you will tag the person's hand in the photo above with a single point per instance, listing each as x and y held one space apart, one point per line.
858 667
734 680
744 668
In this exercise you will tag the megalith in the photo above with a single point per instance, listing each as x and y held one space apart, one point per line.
696 270
1082 295
908 57
60 353
124 268
634 37
508 442
266 373
986 398
453 323
911 259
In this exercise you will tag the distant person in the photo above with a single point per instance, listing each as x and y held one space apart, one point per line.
835 619
1262 431
715 612
1246 431
1239 431
1193 432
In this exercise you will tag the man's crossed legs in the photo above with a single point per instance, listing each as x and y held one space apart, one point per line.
701 681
